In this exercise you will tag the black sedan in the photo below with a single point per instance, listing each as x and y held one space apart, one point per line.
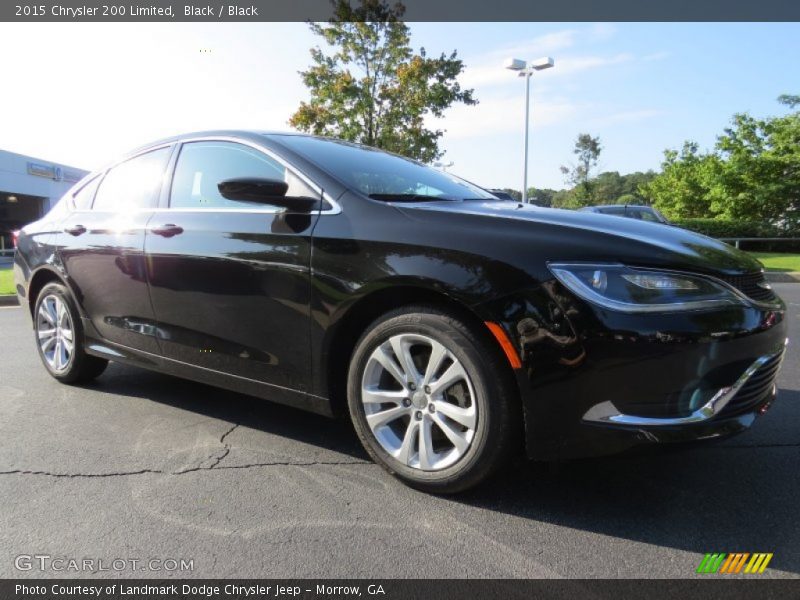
453 327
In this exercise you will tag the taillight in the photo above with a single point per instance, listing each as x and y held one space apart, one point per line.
14 237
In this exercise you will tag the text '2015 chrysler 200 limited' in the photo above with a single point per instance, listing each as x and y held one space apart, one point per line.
453 326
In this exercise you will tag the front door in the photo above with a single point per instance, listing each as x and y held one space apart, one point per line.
230 280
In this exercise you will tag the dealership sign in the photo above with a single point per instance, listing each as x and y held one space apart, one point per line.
53 172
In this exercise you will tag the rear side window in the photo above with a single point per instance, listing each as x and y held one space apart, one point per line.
134 183
202 166
84 197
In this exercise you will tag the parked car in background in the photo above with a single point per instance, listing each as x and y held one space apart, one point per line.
450 326
9 231
643 213
503 195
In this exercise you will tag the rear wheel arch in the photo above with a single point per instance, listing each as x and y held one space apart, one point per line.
40 279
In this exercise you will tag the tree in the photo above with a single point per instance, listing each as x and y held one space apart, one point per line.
373 88
683 189
753 173
587 149
541 196
515 194
607 187
790 100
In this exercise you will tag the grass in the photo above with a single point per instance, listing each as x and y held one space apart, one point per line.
774 261
7 282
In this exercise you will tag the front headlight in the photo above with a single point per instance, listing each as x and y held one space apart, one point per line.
626 289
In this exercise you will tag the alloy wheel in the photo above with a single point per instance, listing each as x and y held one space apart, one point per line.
55 333
419 402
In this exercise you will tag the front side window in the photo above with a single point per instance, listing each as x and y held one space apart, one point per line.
133 184
202 166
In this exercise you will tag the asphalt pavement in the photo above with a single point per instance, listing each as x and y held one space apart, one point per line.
144 466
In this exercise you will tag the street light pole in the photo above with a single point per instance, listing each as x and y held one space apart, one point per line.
525 70
527 119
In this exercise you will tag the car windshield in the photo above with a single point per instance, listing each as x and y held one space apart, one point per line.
383 176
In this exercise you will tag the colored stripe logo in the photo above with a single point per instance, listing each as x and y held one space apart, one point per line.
736 562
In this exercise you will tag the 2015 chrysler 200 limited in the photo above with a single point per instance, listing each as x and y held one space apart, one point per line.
450 324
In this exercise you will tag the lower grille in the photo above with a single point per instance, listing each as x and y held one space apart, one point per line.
757 388
751 285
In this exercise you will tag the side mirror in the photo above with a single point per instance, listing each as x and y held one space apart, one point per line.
265 191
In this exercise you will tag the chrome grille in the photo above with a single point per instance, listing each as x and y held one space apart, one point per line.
757 388
751 285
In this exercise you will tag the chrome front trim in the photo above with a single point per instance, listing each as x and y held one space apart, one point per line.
606 412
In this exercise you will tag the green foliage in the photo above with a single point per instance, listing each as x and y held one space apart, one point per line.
373 88
541 196
753 173
587 149
612 188
515 194
728 228
790 100
609 187
732 228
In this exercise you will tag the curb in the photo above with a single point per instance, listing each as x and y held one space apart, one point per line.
783 277
9 300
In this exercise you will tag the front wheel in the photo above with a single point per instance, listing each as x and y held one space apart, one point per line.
430 402
59 337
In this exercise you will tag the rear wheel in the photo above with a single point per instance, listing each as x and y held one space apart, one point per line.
429 402
59 337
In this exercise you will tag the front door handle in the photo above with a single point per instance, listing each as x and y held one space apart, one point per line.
75 230
167 230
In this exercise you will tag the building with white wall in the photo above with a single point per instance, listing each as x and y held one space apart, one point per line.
29 187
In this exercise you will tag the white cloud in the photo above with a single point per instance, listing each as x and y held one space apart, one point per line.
499 115
549 43
575 64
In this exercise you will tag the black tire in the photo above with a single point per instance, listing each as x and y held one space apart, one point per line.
498 426
80 367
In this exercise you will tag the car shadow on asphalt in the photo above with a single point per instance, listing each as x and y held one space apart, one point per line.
336 435
733 497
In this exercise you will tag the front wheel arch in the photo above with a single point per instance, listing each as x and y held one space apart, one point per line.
347 330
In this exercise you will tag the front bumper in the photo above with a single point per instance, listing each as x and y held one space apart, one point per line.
756 383
598 382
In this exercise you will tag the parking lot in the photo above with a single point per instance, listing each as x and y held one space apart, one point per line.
145 466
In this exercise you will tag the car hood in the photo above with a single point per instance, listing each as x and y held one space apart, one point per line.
586 236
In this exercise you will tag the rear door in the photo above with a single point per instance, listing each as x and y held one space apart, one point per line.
102 249
230 280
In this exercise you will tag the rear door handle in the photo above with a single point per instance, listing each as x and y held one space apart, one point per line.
167 230
75 230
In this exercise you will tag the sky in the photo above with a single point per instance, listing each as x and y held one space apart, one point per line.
83 93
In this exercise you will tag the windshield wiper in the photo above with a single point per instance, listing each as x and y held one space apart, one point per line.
409 198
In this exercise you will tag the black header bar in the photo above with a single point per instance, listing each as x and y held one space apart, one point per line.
416 10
